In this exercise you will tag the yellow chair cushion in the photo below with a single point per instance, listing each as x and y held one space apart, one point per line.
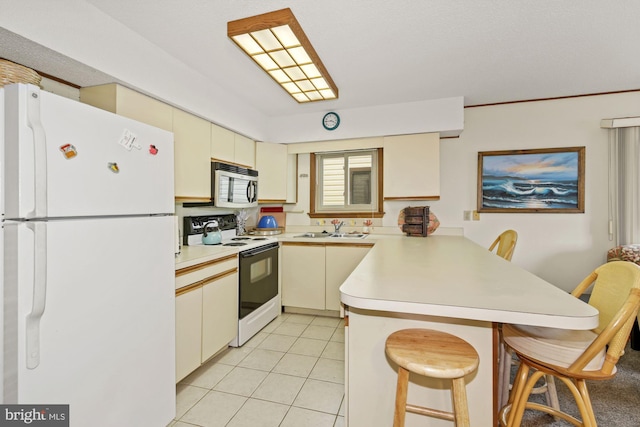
559 347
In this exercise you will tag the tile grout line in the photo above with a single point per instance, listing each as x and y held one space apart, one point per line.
306 378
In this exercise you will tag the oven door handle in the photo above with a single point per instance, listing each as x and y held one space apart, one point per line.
253 252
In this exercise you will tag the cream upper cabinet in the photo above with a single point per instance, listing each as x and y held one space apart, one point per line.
231 147
245 151
292 178
222 144
271 164
129 103
412 167
192 137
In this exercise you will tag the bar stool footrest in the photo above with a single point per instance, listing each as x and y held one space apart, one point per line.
443 415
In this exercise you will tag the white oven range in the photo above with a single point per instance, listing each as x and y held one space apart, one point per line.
259 300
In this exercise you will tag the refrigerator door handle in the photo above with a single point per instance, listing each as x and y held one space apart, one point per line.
39 293
40 154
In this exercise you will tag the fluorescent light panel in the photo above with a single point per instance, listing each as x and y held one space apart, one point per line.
276 42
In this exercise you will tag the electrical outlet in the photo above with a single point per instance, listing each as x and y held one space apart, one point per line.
476 216
466 215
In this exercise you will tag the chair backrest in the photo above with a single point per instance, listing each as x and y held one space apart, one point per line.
616 295
506 243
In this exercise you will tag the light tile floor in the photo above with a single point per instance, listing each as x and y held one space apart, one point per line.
291 374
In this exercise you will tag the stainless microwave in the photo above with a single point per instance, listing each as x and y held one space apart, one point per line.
231 187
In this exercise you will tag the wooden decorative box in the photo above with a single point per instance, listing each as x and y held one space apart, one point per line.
416 221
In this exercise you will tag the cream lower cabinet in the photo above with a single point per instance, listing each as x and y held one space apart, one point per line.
341 259
219 313
303 275
206 311
313 272
188 332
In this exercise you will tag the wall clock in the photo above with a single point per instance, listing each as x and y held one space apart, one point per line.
331 121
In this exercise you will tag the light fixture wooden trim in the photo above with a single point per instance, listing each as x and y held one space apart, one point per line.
276 19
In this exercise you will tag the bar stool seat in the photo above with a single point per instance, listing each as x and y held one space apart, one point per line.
432 354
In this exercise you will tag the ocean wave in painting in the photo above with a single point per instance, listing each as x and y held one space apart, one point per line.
509 193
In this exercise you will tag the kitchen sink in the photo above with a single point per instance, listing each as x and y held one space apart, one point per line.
348 235
313 234
333 235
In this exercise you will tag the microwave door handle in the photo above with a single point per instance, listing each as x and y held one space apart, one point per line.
255 191
251 191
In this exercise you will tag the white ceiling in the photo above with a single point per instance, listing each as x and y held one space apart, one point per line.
383 52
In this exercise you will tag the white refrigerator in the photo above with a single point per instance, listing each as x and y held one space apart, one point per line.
88 313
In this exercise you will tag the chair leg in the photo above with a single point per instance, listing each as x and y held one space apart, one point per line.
506 413
552 394
588 417
520 400
504 375
401 397
460 409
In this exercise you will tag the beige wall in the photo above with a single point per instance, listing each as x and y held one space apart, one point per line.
561 248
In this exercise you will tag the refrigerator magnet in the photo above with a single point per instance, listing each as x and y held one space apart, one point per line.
153 149
113 167
128 140
69 151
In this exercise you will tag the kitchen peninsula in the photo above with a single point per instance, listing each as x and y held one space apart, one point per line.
446 283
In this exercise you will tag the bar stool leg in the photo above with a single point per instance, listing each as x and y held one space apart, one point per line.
460 411
401 397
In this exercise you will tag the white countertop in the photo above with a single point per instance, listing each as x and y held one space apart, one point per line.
192 255
195 254
451 276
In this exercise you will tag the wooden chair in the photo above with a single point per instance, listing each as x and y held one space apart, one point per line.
506 243
432 354
576 356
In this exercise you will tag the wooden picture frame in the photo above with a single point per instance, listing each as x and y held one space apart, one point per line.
548 180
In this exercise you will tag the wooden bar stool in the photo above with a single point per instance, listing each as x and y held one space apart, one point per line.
432 354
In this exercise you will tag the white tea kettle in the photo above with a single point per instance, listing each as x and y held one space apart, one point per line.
211 237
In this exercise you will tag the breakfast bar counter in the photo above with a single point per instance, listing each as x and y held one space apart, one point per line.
447 283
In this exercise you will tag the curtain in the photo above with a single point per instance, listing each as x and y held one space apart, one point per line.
624 185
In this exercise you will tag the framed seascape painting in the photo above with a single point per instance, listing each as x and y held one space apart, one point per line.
549 180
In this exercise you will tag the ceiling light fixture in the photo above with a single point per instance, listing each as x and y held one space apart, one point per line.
276 42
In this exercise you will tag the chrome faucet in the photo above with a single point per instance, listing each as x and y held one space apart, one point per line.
338 225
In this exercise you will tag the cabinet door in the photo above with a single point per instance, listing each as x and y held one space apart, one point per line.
412 167
292 178
192 161
188 332
341 260
219 314
129 103
144 109
245 151
303 275
222 144
271 163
